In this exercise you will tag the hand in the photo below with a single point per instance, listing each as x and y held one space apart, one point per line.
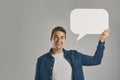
104 34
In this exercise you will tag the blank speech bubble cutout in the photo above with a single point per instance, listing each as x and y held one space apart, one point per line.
88 21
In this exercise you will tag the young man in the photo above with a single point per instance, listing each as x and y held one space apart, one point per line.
60 64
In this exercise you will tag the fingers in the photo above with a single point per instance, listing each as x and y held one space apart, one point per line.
106 32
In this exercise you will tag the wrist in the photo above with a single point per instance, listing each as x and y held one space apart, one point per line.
102 39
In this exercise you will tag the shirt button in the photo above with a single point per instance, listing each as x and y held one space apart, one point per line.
52 59
50 77
50 67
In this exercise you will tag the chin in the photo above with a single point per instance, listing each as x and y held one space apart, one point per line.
58 47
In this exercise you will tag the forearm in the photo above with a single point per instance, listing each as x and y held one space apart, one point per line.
97 58
99 52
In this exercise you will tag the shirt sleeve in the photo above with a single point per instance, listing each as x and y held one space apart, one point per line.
37 72
97 58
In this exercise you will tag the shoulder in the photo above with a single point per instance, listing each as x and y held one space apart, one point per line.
44 56
72 52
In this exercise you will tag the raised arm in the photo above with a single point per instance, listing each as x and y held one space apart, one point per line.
97 58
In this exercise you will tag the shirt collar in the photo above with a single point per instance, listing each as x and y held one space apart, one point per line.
65 52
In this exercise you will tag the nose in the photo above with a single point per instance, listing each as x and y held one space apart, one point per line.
59 39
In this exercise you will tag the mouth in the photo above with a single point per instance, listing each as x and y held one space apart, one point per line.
58 43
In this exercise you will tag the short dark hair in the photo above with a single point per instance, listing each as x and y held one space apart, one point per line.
58 28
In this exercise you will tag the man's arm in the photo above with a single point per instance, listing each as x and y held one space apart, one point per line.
97 58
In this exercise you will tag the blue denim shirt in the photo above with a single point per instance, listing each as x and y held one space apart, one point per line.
44 66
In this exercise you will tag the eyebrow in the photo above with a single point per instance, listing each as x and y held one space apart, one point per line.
60 36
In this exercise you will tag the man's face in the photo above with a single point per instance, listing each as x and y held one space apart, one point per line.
58 39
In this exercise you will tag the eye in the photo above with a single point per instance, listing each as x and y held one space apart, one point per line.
55 37
62 37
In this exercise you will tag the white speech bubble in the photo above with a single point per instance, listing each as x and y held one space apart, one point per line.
88 21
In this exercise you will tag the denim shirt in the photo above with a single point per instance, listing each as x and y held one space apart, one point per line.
45 63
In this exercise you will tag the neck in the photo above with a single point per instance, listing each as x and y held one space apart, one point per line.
57 50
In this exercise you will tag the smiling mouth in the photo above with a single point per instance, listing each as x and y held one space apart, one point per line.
59 44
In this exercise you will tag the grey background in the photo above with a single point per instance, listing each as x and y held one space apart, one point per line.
25 27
